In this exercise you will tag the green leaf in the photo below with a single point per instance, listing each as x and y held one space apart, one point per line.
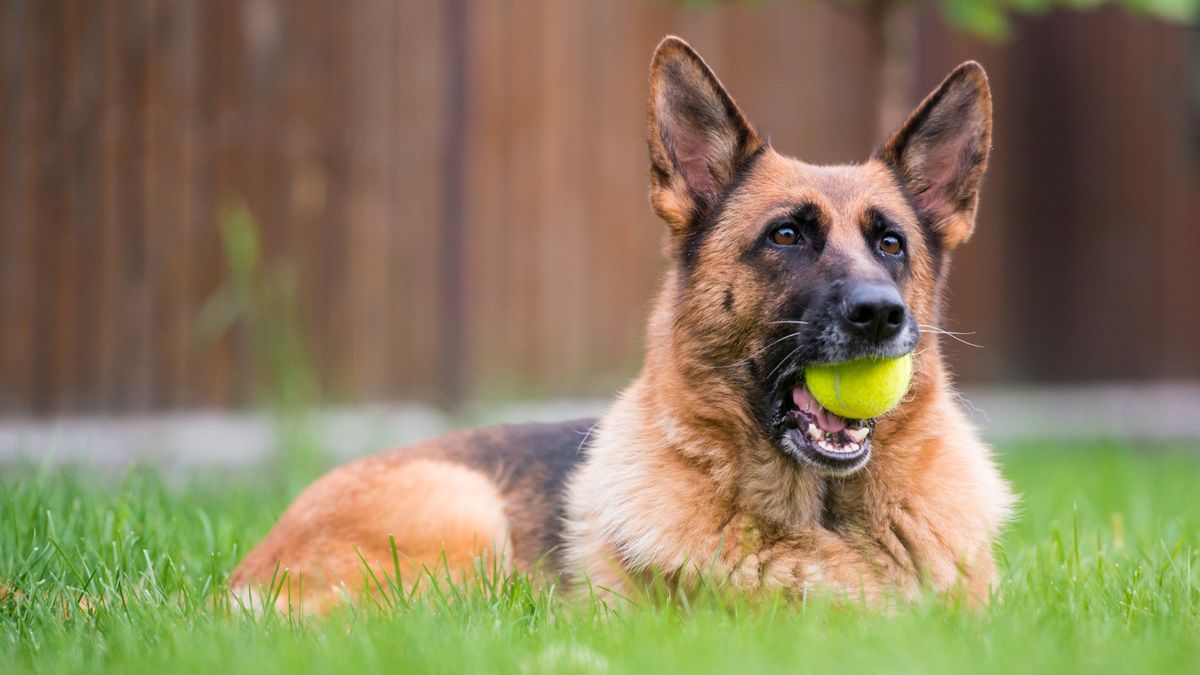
239 234
980 17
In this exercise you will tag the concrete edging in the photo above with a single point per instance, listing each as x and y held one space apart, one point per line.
1153 413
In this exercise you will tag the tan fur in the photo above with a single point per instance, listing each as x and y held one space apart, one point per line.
442 516
678 477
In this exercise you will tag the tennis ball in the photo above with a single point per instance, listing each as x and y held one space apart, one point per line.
860 389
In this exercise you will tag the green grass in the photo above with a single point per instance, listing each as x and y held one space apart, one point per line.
1101 573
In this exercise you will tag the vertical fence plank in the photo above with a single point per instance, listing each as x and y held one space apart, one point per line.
17 278
419 68
110 261
56 246
135 296
367 233
485 213
83 176
225 363
168 180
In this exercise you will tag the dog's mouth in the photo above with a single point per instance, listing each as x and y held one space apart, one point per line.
827 442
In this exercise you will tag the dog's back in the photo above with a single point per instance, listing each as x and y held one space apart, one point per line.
436 506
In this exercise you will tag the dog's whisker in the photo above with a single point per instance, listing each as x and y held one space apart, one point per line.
784 360
952 335
586 436
971 406
785 337
739 362
943 330
802 323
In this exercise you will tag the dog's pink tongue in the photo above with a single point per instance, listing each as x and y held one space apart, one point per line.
826 420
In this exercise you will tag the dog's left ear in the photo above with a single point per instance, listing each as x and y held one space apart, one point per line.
698 138
941 152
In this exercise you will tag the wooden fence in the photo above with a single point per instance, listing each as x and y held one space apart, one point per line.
458 188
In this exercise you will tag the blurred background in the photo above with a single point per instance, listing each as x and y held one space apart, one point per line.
218 205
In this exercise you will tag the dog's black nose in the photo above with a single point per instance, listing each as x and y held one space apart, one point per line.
874 310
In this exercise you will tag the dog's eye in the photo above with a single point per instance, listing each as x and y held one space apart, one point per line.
785 235
891 244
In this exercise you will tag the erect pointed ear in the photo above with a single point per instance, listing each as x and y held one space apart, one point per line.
698 137
941 152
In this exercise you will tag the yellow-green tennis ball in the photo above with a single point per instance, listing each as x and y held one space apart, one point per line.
860 389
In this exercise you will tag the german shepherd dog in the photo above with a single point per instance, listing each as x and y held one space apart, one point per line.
716 461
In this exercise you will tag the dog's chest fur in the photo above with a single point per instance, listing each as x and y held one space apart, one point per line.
923 514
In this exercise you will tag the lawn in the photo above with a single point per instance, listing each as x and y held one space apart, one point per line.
1101 574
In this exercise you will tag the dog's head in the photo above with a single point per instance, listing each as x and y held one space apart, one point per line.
778 264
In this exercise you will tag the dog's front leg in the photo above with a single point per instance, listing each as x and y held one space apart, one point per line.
802 561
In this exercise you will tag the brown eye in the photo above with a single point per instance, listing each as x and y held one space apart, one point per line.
785 235
891 244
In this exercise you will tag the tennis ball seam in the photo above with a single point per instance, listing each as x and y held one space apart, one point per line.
837 388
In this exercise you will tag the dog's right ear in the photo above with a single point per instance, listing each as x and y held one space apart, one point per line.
698 137
941 152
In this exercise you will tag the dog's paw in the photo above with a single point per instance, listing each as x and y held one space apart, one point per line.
747 576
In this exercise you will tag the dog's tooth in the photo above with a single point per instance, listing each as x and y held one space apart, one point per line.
858 435
813 432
